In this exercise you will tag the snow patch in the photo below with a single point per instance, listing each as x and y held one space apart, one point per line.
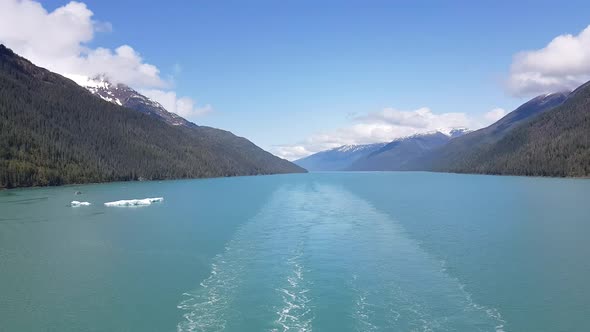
455 132
359 147
135 202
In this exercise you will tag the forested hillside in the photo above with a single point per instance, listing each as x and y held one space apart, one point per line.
54 132
463 150
546 136
554 143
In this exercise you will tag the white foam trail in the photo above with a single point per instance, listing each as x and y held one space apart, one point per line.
135 202
78 203
206 309
241 271
294 315
362 311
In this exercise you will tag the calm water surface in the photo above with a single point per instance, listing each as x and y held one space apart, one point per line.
307 252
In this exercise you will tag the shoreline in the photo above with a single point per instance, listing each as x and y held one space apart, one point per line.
135 181
308 172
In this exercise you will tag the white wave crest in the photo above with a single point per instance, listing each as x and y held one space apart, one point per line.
78 203
135 202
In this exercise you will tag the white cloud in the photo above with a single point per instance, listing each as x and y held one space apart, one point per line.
182 106
495 115
58 40
292 152
422 118
123 65
563 64
384 126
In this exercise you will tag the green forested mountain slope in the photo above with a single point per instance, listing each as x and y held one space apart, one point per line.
556 143
463 150
552 142
54 132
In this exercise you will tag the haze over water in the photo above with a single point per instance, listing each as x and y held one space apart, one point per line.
307 252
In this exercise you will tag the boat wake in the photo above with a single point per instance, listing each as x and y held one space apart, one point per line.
331 254
294 314
206 307
264 261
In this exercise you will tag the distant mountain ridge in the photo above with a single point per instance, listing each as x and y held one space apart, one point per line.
337 159
368 156
548 135
394 155
53 132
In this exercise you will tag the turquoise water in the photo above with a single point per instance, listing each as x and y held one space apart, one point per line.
306 252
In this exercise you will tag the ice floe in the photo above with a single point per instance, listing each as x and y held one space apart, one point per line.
135 202
78 203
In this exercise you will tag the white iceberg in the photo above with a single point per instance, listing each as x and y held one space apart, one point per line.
135 202
78 203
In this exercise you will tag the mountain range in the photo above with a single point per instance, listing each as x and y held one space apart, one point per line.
337 159
57 131
465 150
547 136
53 132
394 155
379 156
553 140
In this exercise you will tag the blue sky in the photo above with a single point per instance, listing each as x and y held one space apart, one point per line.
280 72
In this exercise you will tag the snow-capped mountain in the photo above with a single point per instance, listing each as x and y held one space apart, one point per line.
456 132
338 158
125 96
394 155
356 148
377 155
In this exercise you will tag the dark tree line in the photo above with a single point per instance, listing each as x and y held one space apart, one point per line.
553 143
556 143
54 132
